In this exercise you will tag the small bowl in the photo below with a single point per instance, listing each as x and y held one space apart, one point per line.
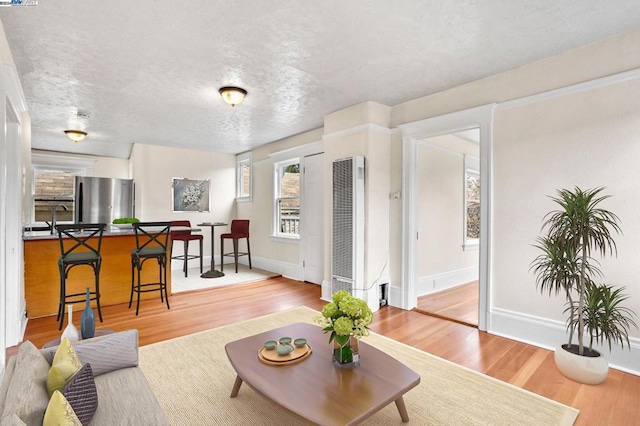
300 342
284 350
270 345
285 340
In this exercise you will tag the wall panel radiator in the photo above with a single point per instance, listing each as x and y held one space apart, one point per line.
347 255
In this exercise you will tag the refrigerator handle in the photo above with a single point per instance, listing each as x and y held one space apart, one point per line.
80 202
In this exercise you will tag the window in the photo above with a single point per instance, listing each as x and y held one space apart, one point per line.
287 199
471 202
53 184
243 177
51 188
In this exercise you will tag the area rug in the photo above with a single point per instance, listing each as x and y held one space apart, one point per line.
192 379
180 283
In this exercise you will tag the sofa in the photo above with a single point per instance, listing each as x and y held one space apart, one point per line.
123 393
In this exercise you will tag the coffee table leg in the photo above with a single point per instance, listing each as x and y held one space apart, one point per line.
238 383
402 409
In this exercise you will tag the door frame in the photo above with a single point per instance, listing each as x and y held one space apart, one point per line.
305 211
479 117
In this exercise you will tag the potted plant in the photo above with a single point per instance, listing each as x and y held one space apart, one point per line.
576 232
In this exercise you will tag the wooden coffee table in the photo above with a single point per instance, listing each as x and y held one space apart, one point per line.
315 388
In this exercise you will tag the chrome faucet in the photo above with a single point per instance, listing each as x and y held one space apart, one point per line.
53 216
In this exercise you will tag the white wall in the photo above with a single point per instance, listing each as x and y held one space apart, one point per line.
442 262
155 166
588 139
277 255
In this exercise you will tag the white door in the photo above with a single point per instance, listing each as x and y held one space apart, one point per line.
312 225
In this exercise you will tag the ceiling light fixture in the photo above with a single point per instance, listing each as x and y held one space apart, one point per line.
75 135
232 95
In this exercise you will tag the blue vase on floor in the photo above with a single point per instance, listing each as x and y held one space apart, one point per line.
88 320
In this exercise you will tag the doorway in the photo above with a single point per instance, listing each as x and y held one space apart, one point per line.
412 133
448 211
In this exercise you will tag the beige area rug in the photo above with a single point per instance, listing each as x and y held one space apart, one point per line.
193 281
192 380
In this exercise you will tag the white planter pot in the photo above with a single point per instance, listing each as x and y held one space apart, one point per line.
583 369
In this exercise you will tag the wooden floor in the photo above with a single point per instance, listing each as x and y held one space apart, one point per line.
458 304
615 402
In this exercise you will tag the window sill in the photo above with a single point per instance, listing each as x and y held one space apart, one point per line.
287 240
471 245
243 199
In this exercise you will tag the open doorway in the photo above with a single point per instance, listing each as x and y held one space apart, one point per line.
412 134
448 226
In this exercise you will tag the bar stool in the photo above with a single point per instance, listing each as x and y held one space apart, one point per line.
151 243
239 229
185 237
79 245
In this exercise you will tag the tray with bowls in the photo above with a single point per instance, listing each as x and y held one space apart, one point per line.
284 351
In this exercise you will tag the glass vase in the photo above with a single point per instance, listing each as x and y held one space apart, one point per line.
345 351
88 319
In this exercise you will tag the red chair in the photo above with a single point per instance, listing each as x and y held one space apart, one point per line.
239 229
185 236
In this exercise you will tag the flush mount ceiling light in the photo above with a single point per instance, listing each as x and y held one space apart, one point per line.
75 135
232 95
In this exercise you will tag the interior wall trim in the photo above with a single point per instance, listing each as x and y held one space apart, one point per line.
358 129
547 334
574 88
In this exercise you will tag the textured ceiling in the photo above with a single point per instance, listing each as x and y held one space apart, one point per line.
149 71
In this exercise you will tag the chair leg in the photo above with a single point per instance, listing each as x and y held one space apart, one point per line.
235 252
249 252
186 261
166 292
61 303
97 273
133 265
201 255
159 259
139 267
221 254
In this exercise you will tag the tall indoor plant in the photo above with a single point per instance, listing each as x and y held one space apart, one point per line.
575 232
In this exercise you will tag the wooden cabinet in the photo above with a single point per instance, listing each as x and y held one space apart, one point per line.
42 278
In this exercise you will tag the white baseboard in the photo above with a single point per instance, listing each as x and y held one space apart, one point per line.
548 334
394 297
437 282
326 291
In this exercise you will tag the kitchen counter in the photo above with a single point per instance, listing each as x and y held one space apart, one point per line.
42 278
109 231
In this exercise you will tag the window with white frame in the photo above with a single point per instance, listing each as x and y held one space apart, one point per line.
243 177
471 202
287 199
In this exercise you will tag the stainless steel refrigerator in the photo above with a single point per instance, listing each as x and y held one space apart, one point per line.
100 200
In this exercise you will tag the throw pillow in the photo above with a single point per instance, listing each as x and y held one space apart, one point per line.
59 412
27 395
105 353
65 365
82 394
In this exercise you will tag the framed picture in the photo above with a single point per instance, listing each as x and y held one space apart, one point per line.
190 195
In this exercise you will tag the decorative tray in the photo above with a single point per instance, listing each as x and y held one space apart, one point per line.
271 357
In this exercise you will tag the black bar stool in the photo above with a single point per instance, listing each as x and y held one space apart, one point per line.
79 245
151 243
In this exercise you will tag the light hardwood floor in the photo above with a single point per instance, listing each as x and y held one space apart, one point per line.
615 402
458 304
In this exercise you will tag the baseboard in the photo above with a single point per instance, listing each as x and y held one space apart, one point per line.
438 282
548 334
